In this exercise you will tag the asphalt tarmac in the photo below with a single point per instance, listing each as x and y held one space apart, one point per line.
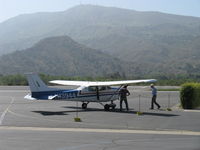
26 124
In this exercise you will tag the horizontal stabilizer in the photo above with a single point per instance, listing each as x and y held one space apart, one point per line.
29 97
52 97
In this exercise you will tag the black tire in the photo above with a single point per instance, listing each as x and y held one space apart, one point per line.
84 105
106 107
113 107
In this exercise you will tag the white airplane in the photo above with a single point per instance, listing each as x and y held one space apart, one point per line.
86 92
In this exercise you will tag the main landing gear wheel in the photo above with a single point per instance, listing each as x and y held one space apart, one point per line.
113 107
84 105
108 106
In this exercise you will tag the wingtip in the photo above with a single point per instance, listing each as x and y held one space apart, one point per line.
152 80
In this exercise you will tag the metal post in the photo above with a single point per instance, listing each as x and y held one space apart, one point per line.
77 119
76 109
169 109
139 103
168 100
139 112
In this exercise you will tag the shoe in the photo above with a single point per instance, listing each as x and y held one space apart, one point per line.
158 107
150 108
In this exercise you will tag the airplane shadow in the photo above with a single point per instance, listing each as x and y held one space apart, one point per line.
126 112
58 113
51 113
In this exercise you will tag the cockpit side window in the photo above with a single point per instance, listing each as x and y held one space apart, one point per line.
91 88
102 88
108 87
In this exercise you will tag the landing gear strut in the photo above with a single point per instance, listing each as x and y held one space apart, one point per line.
107 107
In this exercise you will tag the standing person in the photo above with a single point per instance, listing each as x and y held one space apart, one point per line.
123 97
154 96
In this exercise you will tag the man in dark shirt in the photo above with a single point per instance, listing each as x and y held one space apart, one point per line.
123 97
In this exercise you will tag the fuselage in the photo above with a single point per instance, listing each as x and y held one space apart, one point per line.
86 94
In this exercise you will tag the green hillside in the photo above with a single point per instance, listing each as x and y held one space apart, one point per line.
61 56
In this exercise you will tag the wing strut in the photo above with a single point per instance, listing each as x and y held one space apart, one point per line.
115 92
97 90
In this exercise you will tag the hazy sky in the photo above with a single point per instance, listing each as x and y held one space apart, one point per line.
11 8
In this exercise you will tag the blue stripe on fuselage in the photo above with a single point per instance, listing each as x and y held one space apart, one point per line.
61 94
69 94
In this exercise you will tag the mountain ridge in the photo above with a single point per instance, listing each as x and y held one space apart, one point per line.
41 25
155 43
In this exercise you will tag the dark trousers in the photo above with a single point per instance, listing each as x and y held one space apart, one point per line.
125 101
153 101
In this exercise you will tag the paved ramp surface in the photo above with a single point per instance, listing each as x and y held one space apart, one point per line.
26 124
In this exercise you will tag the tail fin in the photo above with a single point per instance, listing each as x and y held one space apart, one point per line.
39 90
36 84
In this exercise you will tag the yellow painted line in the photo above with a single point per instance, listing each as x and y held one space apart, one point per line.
170 132
190 110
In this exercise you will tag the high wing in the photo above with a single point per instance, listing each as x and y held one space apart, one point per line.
106 83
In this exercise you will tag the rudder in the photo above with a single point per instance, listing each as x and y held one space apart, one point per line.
36 84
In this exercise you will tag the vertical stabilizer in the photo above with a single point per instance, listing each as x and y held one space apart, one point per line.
36 84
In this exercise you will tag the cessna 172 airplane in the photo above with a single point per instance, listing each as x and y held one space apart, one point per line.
86 92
